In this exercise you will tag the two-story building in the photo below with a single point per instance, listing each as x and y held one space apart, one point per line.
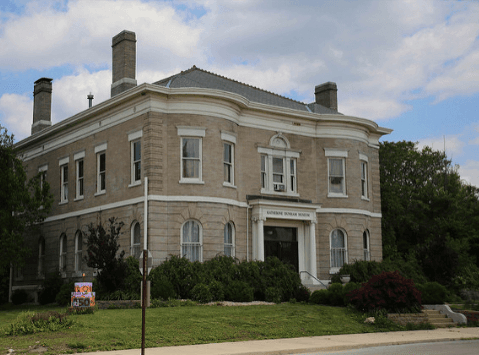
198 165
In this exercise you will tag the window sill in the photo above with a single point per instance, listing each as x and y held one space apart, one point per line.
332 195
100 193
364 198
225 184
79 198
334 270
136 183
63 203
197 182
277 193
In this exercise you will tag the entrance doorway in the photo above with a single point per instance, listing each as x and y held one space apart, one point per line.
282 242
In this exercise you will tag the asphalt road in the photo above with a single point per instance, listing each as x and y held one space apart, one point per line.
458 347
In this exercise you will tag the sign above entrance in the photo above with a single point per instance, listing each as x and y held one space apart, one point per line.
288 214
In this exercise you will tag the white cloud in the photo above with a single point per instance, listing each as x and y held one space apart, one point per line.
453 144
15 109
470 172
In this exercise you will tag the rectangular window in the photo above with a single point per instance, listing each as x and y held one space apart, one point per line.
264 172
364 179
292 174
191 158
64 183
135 162
79 178
336 176
228 163
101 172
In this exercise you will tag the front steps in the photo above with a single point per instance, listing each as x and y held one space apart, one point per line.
437 319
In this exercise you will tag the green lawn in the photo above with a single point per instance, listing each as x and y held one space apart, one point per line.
121 328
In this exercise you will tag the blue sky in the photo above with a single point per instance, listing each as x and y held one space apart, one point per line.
412 66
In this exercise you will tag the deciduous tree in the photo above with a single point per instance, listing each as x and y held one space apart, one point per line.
24 204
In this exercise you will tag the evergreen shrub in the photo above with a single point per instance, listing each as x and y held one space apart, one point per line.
273 294
432 293
201 293
319 297
239 291
161 288
51 286
387 291
347 290
336 295
63 297
19 297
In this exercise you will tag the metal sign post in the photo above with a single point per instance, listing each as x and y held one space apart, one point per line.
143 302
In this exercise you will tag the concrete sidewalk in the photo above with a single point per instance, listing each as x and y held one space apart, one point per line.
310 344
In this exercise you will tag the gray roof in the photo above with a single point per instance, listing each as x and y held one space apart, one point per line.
199 78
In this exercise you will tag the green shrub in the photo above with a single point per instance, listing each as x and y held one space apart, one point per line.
217 290
302 294
280 276
133 277
51 286
221 268
161 288
30 323
273 294
19 297
432 293
347 290
239 291
251 273
336 295
201 293
319 297
388 291
63 297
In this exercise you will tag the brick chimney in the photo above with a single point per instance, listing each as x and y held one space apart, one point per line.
124 62
42 104
327 95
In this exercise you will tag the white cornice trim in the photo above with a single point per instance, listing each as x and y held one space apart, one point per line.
217 103
349 211
207 199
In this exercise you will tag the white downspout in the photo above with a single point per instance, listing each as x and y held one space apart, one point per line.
145 217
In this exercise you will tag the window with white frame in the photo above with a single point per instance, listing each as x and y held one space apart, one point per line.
364 176
278 167
339 250
336 172
135 148
64 186
229 141
62 264
191 241
135 240
43 174
367 254
100 152
79 175
78 251
64 179
41 257
229 239
191 145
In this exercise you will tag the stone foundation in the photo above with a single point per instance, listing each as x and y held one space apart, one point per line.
413 318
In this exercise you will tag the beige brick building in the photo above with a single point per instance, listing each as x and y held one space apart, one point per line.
199 165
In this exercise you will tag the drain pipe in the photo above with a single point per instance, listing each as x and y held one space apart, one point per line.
145 217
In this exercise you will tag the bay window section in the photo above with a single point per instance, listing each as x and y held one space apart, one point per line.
278 171
339 250
100 169
364 176
191 241
135 157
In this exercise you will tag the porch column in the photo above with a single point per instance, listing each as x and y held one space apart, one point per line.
312 249
260 240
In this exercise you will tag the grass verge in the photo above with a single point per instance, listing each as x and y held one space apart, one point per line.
121 328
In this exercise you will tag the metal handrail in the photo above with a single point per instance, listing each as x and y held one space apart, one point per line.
314 277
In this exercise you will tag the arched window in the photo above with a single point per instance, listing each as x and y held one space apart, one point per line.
367 255
135 240
339 249
78 251
41 257
229 239
63 253
191 241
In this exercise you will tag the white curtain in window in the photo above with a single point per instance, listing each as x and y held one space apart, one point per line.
191 247
191 155
338 248
228 239
336 175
